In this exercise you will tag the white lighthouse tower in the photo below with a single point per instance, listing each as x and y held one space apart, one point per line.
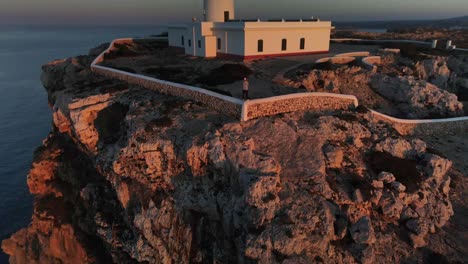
218 10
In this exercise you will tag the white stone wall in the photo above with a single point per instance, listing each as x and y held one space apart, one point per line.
193 33
336 60
316 35
251 109
297 102
371 62
241 38
175 33
232 42
225 104
354 54
423 127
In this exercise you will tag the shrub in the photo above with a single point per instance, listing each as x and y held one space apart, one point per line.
228 73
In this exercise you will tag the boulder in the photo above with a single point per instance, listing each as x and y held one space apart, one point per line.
417 226
386 177
63 74
397 186
401 148
333 155
434 70
362 231
378 184
417 99
391 206
436 167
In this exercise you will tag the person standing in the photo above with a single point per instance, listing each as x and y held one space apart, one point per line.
245 89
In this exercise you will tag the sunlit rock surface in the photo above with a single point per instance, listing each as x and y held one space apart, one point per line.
131 176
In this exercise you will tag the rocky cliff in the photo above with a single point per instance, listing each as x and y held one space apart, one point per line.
407 84
131 176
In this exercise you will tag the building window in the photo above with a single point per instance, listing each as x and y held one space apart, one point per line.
190 43
260 45
182 41
302 43
219 44
284 44
199 44
226 16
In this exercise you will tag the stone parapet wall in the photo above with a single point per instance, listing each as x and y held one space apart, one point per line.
120 41
462 50
336 60
354 54
370 62
251 109
423 127
225 104
297 102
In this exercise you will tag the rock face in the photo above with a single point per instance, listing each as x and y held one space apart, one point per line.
444 72
131 176
404 84
418 99
58 174
435 71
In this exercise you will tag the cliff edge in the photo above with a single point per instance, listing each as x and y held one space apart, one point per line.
131 176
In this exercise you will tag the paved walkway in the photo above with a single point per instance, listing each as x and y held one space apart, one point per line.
267 81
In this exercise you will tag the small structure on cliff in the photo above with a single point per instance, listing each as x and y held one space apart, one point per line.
220 34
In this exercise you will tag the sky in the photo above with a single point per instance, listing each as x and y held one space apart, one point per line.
165 11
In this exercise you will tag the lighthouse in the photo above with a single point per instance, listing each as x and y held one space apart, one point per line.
218 10
221 34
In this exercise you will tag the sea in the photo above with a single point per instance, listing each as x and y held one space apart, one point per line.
372 30
25 118
364 30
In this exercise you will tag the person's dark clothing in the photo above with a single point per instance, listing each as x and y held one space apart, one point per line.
245 94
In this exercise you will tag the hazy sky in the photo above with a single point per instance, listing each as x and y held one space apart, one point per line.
163 11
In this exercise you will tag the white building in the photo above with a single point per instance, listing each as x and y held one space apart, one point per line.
221 35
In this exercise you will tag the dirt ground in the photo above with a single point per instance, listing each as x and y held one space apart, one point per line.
454 147
453 235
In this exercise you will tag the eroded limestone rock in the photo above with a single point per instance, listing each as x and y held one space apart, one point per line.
418 99
180 183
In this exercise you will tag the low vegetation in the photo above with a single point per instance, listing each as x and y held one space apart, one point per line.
228 73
